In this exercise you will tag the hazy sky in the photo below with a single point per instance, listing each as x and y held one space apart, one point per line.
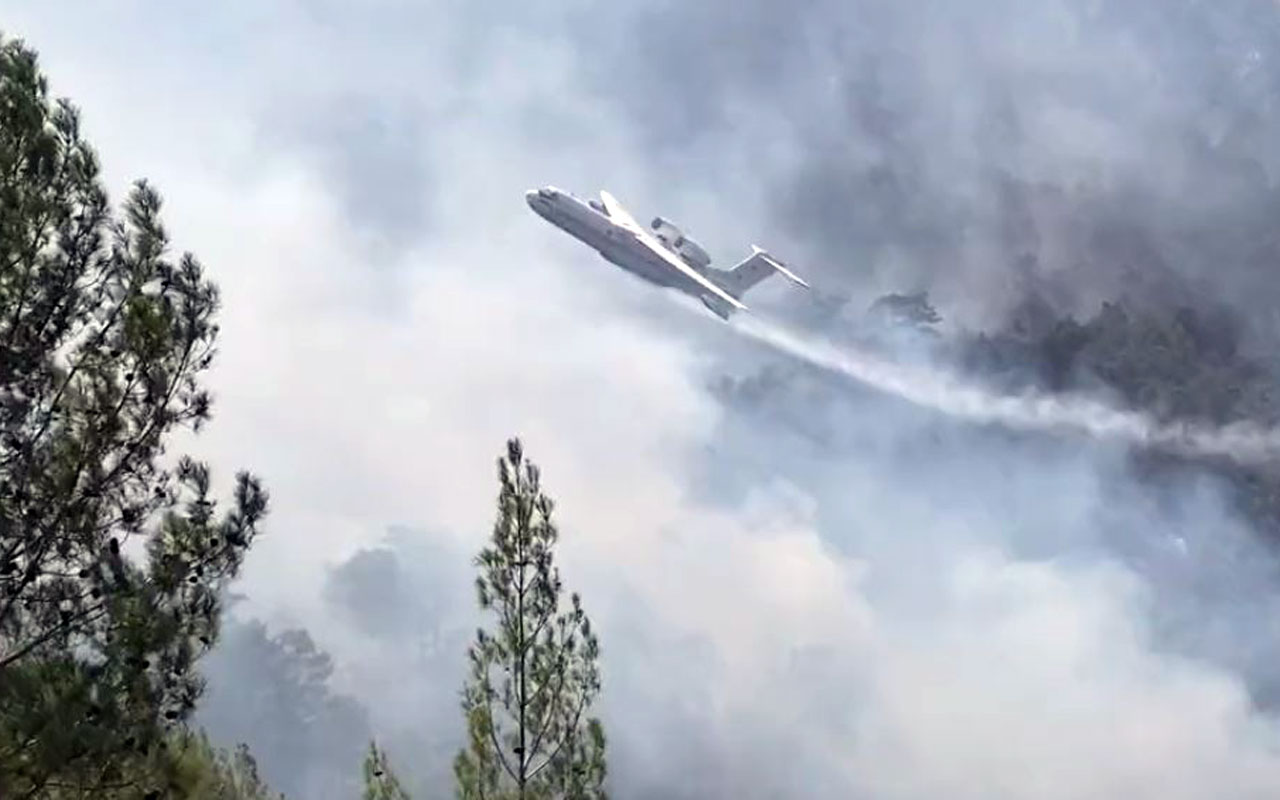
907 609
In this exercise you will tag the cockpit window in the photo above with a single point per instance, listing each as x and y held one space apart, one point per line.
546 192
596 205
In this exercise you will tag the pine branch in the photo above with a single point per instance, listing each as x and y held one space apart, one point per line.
493 737
551 706
569 735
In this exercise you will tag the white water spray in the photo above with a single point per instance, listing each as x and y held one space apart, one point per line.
951 395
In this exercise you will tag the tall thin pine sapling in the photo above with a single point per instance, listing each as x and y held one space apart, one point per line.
534 675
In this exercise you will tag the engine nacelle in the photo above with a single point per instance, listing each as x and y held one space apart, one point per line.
666 230
693 252
673 237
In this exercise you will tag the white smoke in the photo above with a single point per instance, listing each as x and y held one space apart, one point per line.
933 388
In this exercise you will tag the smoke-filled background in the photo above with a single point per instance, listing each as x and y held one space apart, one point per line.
802 588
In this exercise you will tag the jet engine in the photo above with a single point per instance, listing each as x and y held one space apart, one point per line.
673 237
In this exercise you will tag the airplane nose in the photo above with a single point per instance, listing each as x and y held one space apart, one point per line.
537 201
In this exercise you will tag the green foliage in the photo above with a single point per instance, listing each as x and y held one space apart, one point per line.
195 770
380 783
186 767
103 338
534 677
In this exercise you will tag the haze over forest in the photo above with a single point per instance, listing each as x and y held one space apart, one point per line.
801 587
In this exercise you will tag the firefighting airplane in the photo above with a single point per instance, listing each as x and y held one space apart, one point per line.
662 255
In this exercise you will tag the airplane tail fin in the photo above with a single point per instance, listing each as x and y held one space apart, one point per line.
751 270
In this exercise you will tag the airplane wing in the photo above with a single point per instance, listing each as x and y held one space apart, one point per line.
621 216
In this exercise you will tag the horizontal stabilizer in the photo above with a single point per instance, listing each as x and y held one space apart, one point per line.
779 266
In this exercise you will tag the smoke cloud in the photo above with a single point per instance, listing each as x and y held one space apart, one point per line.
926 385
816 591
1087 148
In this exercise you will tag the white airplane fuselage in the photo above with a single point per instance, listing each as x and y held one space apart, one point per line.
614 243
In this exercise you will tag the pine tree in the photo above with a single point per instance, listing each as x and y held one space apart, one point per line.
380 783
196 770
103 338
534 677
